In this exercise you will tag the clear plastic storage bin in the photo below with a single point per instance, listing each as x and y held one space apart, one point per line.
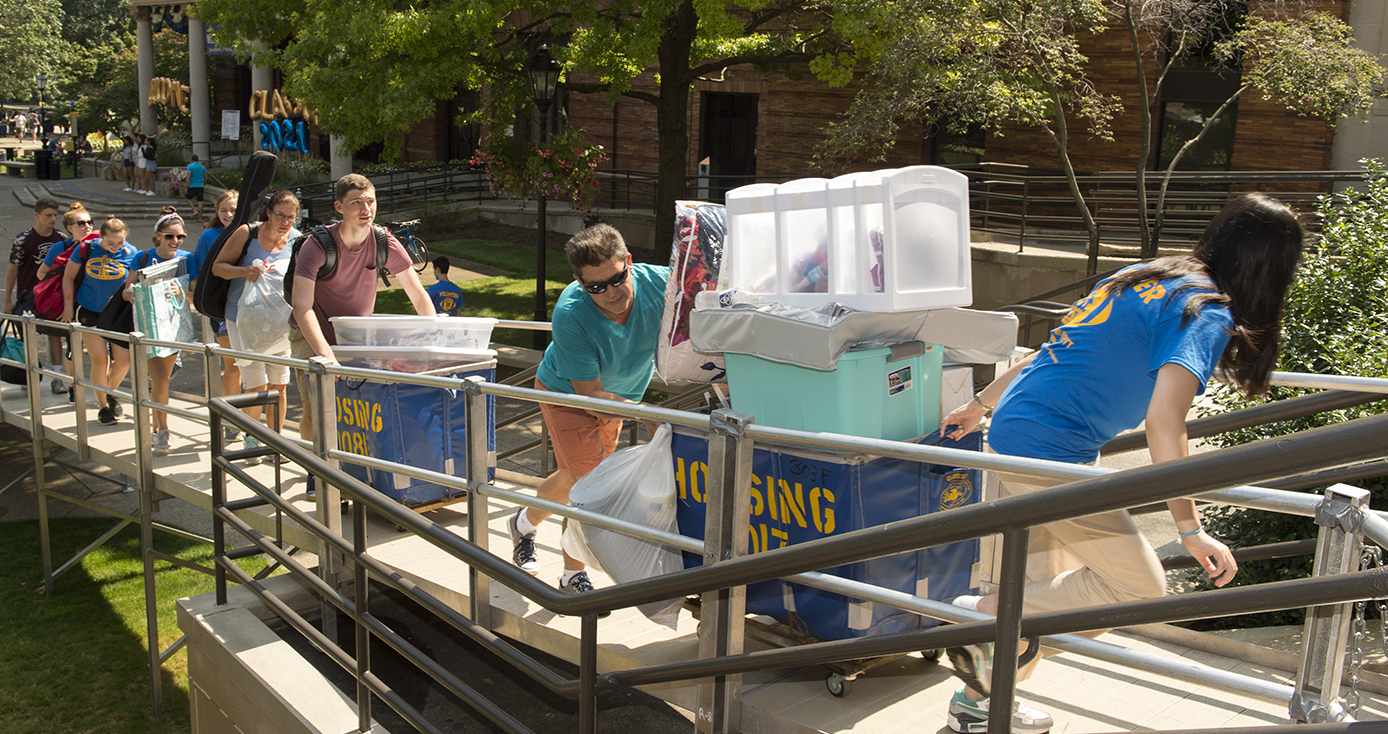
409 359
891 240
459 332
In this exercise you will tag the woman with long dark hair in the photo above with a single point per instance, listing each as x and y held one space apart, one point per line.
1140 347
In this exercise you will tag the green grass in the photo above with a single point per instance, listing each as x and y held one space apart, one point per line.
502 297
76 662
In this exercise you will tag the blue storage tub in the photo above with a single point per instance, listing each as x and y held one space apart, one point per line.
422 427
819 494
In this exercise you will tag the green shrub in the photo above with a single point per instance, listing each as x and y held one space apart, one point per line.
1337 314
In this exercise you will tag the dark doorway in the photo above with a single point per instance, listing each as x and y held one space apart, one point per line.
728 143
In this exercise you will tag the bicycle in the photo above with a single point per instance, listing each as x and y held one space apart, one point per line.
419 252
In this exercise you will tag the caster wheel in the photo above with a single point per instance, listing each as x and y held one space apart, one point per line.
838 685
931 655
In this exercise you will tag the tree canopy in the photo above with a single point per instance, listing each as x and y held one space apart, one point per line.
995 63
29 37
373 68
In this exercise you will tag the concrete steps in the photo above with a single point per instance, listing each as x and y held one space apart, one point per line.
127 206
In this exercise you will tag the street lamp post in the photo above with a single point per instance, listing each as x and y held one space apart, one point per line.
544 81
41 81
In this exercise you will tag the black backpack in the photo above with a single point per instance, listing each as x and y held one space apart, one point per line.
210 297
329 244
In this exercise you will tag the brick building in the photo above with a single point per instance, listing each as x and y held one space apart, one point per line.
754 123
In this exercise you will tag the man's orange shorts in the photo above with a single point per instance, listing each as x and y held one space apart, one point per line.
581 440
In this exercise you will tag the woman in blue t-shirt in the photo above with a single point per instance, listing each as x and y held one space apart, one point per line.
169 235
223 210
1140 347
104 273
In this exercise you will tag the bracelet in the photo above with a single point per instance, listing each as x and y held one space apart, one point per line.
979 403
1193 532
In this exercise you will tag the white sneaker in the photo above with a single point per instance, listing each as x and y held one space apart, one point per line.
149 193
127 188
161 442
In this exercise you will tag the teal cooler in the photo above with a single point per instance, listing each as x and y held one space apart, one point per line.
803 495
422 427
890 393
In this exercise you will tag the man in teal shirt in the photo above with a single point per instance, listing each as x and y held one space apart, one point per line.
196 174
605 327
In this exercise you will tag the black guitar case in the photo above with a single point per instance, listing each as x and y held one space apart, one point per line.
210 298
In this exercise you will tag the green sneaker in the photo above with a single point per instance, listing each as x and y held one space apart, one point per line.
971 717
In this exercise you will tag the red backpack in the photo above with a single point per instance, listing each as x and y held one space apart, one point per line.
48 294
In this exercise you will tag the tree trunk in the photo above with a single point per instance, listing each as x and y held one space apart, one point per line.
1060 136
1144 224
672 121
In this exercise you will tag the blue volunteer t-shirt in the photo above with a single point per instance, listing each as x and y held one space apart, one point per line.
151 257
200 252
56 250
587 345
105 275
1095 377
447 297
195 173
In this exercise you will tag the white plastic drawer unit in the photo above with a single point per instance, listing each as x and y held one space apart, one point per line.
891 240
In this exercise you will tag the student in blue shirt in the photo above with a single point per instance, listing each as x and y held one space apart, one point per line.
222 212
1140 347
169 235
447 297
104 274
196 172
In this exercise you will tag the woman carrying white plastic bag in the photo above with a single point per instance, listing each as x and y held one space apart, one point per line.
255 322
635 484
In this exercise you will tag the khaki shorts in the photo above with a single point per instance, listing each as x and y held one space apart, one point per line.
299 349
581 440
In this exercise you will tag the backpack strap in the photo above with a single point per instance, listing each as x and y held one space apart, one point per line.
325 240
382 252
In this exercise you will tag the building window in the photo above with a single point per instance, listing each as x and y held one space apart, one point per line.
727 142
1182 121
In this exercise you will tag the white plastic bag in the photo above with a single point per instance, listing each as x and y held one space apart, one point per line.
635 484
262 318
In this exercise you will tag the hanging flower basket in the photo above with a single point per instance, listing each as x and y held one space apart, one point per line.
560 169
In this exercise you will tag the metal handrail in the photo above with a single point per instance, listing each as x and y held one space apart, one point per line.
1266 456
838 550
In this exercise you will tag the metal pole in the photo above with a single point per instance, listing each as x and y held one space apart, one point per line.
144 452
1007 642
31 360
362 600
1327 627
541 304
324 439
588 675
723 612
79 393
219 498
478 506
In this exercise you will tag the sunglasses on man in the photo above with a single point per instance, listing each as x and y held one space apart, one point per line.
615 281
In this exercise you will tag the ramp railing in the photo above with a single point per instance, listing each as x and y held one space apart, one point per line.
346 567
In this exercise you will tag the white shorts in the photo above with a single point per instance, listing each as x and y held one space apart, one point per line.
255 373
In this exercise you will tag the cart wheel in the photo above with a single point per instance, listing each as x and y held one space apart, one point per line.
838 685
931 655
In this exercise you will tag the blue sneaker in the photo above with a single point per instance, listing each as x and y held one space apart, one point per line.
971 717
